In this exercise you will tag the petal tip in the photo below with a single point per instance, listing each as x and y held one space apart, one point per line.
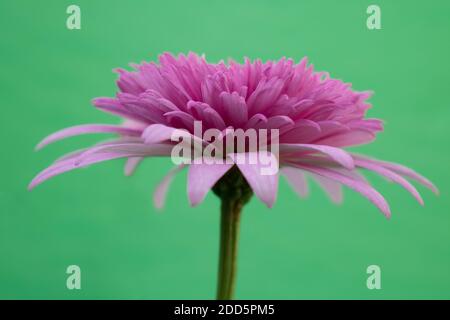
34 183
193 204
387 213
435 191
157 203
269 203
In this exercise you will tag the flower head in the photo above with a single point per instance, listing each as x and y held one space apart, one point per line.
316 117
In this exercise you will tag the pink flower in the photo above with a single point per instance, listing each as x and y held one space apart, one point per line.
316 116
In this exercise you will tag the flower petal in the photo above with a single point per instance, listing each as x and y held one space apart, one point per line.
113 106
400 169
332 188
131 165
201 178
347 139
203 112
303 131
71 164
99 154
296 179
338 155
156 133
135 149
235 108
265 186
159 196
365 189
180 119
391 176
85 129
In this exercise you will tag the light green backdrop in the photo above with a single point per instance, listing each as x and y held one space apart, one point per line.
105 223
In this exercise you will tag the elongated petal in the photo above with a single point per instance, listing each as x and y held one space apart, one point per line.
391 176
72 155
347 139
159 196
365 189
303 131
400 169
114 107
161 134
265 186
296 179
338 155
156 133
201 178
332 188
85 129
71 164
203 112
235 108
100 145
265 95
180 119
131 164
135 149
276 122
100 154
330 128
256 120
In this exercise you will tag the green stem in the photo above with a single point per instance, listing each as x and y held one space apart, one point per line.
234 192
229 236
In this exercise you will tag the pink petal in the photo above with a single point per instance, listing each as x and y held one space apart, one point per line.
329 128
180 118
85 129
135 149
131 164
99 154
113 106
373 125
256 120
277 122
365 189
391 176
296 179
70 164
159 196
302 131
265 187
405 171
201 178
205 113
332 188
157 133
235 108
347 139
265 95
338 155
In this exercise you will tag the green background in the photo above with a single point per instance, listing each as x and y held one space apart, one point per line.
105 223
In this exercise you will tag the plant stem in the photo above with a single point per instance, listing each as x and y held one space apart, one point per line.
229 236
234 192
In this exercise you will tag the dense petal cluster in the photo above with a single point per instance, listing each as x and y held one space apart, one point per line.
316 116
